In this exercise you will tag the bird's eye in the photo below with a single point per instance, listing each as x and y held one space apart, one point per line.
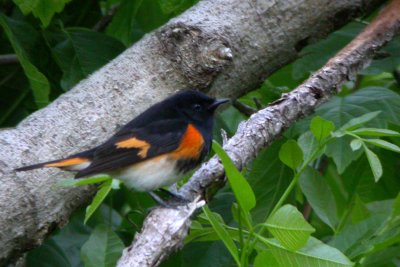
197 107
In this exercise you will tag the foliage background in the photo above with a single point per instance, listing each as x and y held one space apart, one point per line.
58 43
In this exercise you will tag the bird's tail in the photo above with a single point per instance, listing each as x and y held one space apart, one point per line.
73 163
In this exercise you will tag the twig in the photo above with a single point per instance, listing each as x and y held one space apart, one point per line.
243 108
106 19
8 59
160 234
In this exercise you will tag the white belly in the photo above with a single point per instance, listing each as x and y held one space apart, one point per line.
150 174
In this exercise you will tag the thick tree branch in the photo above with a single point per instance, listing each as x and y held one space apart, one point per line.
229 46
165 229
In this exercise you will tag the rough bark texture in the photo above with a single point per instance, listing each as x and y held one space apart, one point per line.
229 46
159 235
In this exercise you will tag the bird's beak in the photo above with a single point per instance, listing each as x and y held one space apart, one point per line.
218 102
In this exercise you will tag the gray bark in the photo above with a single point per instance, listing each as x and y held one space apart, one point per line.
165 229
228 46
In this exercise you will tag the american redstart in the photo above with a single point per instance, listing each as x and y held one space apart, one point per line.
153 150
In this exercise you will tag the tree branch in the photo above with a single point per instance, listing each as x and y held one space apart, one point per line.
164 229
228 45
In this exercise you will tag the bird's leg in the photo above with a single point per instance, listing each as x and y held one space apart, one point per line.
159 200
175 196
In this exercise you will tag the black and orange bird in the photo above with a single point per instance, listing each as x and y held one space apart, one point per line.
153 150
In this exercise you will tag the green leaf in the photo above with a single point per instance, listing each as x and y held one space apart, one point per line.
383 144
103 249
240 187
101 194
375 132
374 163
315 253
42 9
79 52
291 154
48 254
265 259
39 83
222 233
356 144
309 145
359 211
320 196
269 178
357 122
289 226
78 182
123 23
321 128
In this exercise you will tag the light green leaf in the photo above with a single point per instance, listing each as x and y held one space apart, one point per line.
359 211
357 122
103 248
265 259
222 233
42 9
356 144
374 163
289 226
101 194
321 128
309 145
39 83
383 144
240 187
320 196
86 181
291 154
375 132
315 253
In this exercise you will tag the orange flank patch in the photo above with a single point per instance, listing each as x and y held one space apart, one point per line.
143 146
191 145
67 162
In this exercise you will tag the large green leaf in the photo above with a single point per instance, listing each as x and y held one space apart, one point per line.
240 187
315 253
265 259
42 9
103 249
269 178
320 196
79 52
49 254
289 226
291 154
39 83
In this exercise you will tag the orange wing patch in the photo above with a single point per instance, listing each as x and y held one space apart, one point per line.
67 162
191 145
133 142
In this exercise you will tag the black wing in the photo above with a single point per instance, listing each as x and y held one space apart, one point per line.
136 145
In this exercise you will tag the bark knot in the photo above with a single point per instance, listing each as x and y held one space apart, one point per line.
198 55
